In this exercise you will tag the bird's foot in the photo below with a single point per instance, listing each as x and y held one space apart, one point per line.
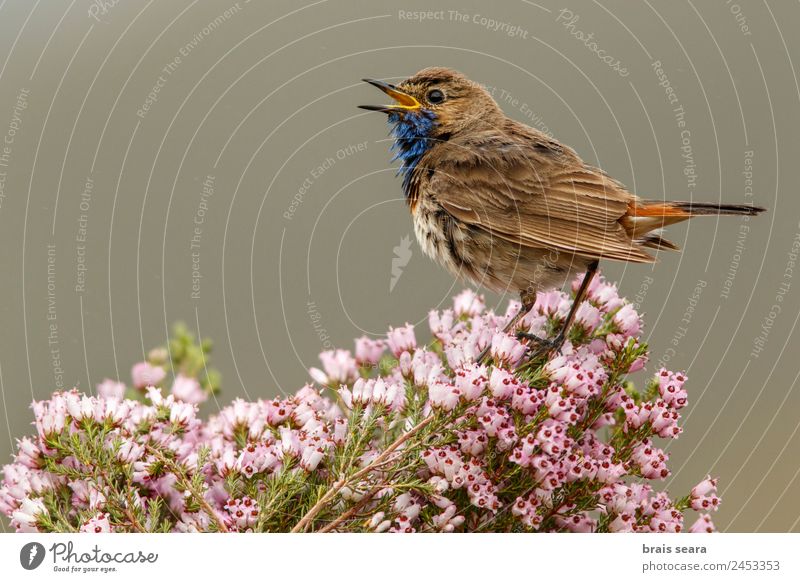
543 345
483 356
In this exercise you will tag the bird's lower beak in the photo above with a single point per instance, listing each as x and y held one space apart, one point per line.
403 101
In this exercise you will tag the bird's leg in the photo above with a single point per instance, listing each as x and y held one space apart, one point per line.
558 341
507 329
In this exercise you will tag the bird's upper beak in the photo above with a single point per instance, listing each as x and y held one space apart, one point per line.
403 101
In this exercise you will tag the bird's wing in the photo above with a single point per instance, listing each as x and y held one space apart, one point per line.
541 200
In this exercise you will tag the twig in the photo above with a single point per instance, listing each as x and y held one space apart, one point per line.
305 521
201 501
353 510
134 522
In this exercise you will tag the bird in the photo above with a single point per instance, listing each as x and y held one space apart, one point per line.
505 206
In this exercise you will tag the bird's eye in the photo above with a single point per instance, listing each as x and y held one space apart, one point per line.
435 96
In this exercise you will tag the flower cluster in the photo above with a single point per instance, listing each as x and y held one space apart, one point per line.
475 431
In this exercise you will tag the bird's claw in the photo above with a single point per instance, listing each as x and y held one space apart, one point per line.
543 345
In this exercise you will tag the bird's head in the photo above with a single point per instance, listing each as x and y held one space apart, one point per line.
436 103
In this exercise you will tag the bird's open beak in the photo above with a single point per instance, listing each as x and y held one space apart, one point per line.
403 101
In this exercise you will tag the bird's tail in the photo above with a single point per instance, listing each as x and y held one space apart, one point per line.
684 210
645 217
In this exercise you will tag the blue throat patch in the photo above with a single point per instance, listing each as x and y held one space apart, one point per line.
411 133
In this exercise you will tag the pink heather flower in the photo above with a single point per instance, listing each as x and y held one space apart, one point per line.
580 523
311 457
703 525
111 389
507 349
707 503
340 368
447 520
130 451
405 363
480 336
28 453
627 320
670 387
182 413
651 461
491 418
552 303
616 341
97 524
562 408
155 396
703 496
188 390
368 351
384 393
50 416
603 293
705 487
468 303
375 392
664 420
424 368
340 427
638 364
443 396
441 325
622 523
502 384
193 523
588 316
460 355
473 442
79 406
258 457
580 374
346 396
512 310
401 339
145 374
471 381
243 512
362 391
24 519
525 400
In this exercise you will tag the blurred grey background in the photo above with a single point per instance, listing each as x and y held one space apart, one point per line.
204 161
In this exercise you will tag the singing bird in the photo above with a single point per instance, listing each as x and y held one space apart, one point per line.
503 205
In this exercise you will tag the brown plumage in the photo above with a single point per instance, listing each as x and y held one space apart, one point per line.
505 206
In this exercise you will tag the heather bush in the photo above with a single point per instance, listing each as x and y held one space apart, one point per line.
393 436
